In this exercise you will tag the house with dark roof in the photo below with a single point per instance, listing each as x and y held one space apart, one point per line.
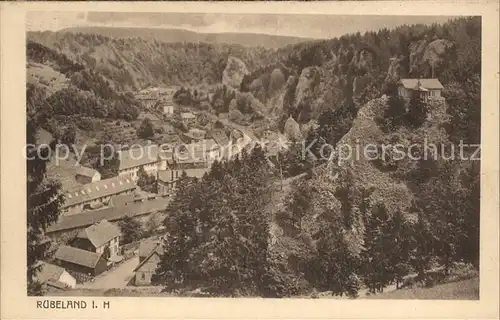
150 252
51 275
96 194
425 88
80 261
86 175
100 238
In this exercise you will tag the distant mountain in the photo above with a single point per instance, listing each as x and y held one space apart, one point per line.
181 35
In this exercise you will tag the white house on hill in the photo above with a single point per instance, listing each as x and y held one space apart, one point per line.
425 88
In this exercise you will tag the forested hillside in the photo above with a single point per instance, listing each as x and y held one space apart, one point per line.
85 92
359 223
135 63
302 224
179 35
301 80
346 72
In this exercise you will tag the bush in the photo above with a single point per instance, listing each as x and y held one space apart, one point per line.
461 271
85 123
417 112
146 129
394 115
159 130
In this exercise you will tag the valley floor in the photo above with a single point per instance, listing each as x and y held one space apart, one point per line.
459 290
115 278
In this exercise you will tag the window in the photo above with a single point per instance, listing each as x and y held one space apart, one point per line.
143 276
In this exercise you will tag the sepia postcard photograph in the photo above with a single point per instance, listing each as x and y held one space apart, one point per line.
237 155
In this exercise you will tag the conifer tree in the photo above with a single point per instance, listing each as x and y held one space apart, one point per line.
335 265
43 204
218 237
417 112
146 130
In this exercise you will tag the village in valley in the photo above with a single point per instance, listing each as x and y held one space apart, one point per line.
91 253
230 166
90 250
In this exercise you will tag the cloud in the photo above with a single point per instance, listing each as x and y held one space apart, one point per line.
53 21
307 25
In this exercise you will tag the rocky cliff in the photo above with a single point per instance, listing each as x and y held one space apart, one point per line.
135 63
234 72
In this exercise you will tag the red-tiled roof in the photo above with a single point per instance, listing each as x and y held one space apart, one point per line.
77 256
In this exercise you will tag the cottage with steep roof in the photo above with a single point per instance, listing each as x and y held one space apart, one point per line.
80 261
102 238
425 88
150 252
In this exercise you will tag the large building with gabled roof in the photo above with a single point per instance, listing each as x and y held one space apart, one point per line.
151 158
95 195
98 237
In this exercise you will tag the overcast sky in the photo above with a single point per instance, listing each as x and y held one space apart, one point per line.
310 26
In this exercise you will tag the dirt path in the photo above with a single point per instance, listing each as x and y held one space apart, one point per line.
116 278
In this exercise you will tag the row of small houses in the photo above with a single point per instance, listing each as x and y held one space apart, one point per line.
193 158
92 252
